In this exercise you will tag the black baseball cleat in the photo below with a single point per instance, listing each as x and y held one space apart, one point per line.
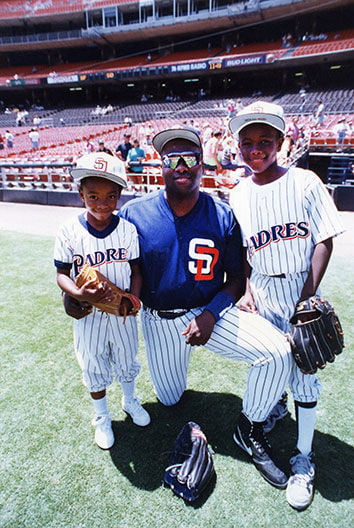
251 438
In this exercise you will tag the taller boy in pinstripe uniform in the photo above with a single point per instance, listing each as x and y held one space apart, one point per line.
288 220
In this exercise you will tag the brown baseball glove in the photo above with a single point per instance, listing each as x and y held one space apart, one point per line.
118 306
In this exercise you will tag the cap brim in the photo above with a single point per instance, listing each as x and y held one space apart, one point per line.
160 140
80 174
237 123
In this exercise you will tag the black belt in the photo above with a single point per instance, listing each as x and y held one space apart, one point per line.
167 314
280 276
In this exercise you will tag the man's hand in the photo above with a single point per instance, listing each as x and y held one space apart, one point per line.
199 329
75 308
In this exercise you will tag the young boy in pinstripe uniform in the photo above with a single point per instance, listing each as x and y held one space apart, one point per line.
288 221
106 346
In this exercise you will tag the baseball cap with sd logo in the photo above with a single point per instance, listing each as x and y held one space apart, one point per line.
101 165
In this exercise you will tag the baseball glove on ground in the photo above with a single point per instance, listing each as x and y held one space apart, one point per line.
317 336
191 465
115 307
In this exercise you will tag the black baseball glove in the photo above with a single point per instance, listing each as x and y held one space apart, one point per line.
316 336
191 465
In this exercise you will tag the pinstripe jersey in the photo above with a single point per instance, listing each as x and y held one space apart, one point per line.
282 221
78 243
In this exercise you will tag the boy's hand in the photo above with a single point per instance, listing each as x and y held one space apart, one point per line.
104 295
247 303
75 308
95 293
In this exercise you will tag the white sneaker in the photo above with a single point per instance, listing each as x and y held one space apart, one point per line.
299 492
104 436
136 412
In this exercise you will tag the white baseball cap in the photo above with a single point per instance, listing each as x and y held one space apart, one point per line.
161 138
259 112
101 165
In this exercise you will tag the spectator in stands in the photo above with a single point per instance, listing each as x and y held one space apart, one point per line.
124 147
303 96
9 137
192 126
149 130
292 132
207 132
97 110
146 141
340 130
89 147
128 121
228 155
320 113
21 117
136 153
238 106
36 121
62 121
34 137
211 152
1 142
102 148
231 108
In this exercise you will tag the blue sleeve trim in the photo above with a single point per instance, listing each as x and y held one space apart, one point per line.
219 304
62 265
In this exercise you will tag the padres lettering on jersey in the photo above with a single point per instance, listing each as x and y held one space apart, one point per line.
277 233
97 258
283 220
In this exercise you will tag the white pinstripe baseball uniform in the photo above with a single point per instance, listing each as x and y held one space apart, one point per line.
106 348
281 223
183 263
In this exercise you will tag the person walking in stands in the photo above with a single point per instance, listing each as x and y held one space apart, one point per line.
288 222
34 137
124 147
320 113
340 130
9 138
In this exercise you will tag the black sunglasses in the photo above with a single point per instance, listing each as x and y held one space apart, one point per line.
171 160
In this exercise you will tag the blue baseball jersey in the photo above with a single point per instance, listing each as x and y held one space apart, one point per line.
184 259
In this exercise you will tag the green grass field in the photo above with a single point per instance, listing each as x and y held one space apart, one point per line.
52 473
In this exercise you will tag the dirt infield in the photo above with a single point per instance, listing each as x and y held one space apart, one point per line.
45 220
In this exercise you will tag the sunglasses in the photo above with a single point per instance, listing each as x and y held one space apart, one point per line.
190 159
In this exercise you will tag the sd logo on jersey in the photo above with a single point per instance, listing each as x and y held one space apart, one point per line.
205 257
